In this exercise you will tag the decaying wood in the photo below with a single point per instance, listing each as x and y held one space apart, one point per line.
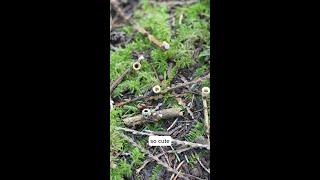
156 116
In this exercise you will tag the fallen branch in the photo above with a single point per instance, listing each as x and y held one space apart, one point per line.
186 143
156 116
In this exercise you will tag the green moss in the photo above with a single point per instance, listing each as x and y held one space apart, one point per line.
156 171
155 126
200 71
117 142
195 132
193 31
123 170
137 157
193 159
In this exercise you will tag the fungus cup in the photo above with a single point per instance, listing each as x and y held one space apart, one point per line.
156 89
136 66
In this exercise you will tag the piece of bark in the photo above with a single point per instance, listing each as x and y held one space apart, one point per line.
156 116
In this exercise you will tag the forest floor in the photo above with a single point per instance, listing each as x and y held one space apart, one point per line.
160 46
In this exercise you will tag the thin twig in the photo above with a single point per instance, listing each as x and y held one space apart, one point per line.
172 177
177 175
154 40
118 81
175 129
174 122
208 170
165 155
188 83
139 98
194 145
155 72
186 157
175 154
